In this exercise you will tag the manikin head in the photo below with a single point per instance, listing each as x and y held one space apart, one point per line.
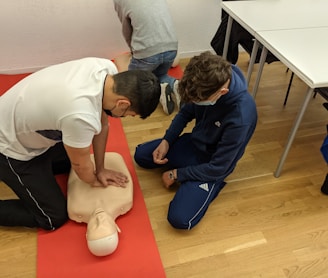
102 233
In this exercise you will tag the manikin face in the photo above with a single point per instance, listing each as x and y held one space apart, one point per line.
102 233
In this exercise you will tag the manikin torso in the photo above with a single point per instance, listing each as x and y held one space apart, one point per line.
100 206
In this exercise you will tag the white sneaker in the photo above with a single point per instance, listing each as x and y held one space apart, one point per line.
166 98
176 93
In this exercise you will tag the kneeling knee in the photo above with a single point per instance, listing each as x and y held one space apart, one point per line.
137 158
179 222
60 221
54 222
143 162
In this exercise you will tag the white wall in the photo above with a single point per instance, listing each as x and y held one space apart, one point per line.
38 33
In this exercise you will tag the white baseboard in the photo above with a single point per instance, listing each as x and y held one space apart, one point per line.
19 70
191 54
182 55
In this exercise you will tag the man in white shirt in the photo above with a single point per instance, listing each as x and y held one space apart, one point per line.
49 122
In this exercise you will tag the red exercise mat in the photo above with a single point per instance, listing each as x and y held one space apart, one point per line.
64 253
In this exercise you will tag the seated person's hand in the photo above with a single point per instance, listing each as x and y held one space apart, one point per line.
108 177
160 153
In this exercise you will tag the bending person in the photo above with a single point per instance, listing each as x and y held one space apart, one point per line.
148 30
100 206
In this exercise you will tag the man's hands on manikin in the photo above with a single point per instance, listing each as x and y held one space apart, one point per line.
107 177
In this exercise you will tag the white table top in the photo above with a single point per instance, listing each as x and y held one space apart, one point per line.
263 15
304 51
296 32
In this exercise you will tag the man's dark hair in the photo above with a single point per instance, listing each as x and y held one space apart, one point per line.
141 87
203 76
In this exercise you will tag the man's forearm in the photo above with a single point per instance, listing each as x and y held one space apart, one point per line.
99 147
86 173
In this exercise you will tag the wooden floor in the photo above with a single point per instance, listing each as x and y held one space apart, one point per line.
259 226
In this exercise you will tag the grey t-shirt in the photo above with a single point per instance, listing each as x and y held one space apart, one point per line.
147 26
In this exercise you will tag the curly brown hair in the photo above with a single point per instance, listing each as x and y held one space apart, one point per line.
203 76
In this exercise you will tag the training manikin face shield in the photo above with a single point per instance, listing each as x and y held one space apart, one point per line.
102 233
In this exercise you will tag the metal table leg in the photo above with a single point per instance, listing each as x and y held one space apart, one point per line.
227 37
259 73
293 132
252 60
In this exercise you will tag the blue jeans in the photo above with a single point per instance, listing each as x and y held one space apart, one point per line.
159 64
193 197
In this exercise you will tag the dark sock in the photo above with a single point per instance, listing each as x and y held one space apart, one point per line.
324 187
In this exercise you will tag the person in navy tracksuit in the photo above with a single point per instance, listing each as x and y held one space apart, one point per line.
215 95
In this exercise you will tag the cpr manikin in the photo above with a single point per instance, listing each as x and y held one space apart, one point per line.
100 206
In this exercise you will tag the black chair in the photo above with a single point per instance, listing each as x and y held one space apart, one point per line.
323 92
239 36
289 85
